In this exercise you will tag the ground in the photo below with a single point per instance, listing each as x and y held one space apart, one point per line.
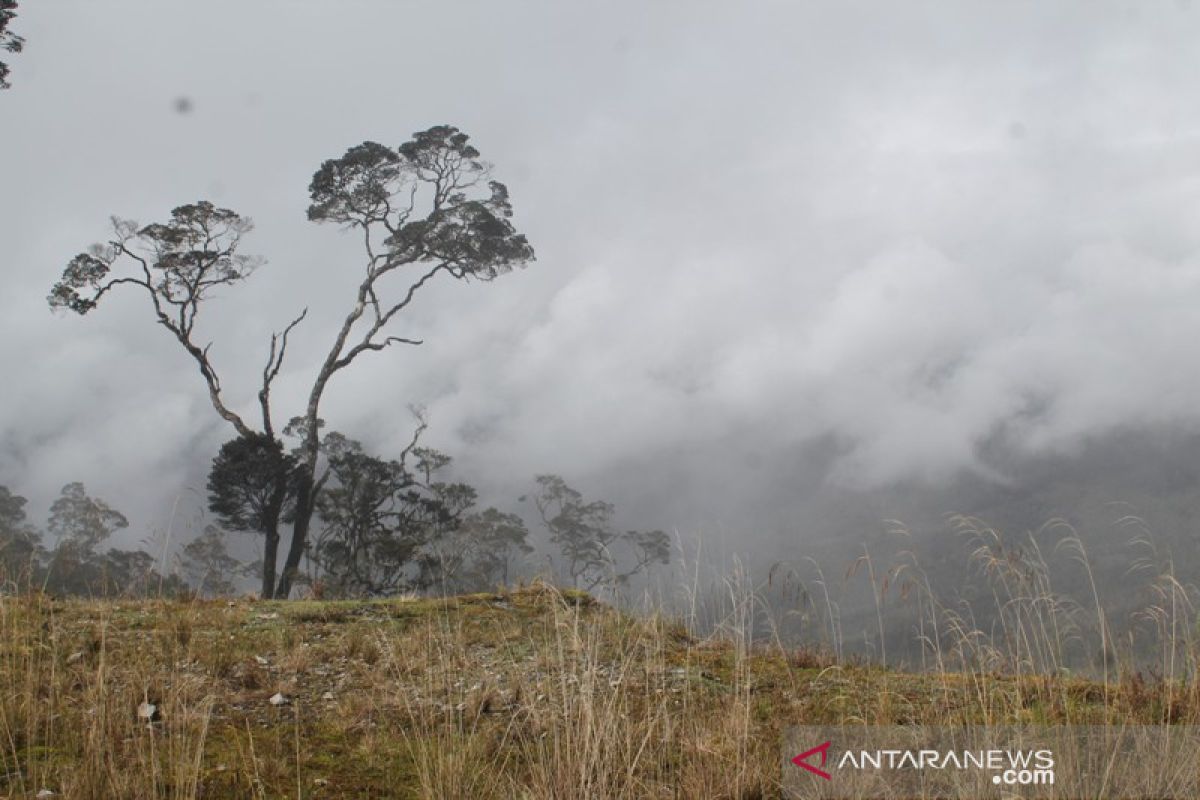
533 692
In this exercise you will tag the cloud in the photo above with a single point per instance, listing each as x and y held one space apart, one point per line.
904 230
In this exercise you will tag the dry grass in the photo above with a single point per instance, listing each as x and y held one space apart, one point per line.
531 693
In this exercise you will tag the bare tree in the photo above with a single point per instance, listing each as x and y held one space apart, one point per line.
423 209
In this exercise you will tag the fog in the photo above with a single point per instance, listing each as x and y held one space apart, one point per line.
787 254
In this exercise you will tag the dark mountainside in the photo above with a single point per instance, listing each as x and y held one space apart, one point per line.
1130 499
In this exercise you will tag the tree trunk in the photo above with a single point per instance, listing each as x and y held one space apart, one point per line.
304 512
271 547
270 551
307 488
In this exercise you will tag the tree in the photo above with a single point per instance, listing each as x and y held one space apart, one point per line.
582 531
499 541
9 41
208 565
79 524
132 573
589 545
360 548
379 517
19 542
423 209
448 503
249 484
477 554
647 548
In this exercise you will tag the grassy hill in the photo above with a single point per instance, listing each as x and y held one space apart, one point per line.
533 692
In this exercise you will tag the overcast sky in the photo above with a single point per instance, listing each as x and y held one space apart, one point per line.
905 228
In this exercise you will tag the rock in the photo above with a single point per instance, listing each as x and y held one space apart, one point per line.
327 696
278 699
262 662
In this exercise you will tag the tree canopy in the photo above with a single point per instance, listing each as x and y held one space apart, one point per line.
250 484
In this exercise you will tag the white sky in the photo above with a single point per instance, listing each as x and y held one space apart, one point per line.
905 227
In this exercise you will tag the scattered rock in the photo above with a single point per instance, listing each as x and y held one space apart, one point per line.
278 699
148 712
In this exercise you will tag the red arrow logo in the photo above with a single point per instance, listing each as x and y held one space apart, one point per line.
802 760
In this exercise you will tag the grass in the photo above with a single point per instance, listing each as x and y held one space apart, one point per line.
528 693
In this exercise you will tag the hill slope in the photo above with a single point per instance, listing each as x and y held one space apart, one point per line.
530 693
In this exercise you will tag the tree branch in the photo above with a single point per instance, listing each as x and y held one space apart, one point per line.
210 378
271 370
381 320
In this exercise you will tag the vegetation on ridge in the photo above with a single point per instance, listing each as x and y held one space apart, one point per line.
533 692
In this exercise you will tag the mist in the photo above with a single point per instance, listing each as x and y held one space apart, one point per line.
799 269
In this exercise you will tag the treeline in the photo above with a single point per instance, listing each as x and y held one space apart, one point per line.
71 555
382 527
386 526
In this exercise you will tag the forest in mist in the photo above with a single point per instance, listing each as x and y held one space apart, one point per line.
790 307
1129 500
